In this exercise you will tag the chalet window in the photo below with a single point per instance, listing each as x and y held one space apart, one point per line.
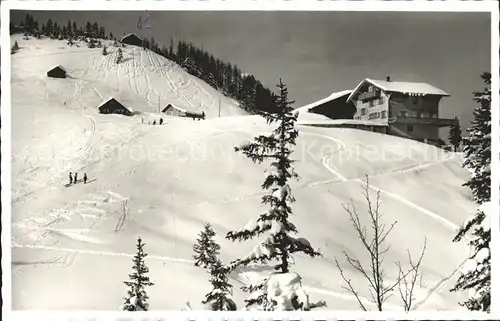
363 111
381 100
384 114
374 115
372 103
409 128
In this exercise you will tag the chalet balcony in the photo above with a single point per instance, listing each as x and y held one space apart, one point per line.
439 122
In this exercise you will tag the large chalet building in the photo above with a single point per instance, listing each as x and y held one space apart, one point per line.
406 109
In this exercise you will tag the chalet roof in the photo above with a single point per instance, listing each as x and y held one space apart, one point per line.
183 109
409 88
332 97
111 100
131 35
58 67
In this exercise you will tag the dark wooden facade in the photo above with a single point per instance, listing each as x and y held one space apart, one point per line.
112 106
336 108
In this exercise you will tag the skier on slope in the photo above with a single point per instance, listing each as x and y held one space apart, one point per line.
154 122
161 121
76 177
85 178
70 178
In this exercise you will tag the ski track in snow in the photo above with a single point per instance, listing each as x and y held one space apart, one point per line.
435 216
104 253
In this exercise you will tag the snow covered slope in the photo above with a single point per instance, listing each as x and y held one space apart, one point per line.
142 82
72 246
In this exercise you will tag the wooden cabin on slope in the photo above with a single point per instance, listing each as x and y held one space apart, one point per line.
173 110
112 106
132 39
57 72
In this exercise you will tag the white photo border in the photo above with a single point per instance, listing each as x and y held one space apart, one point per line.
490 6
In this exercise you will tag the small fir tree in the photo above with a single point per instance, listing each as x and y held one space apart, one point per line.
119 57
477 147
455 136
219 298
279 245
104 50
206 249
137 298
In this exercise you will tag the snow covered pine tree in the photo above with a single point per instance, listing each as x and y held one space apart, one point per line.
219 298
137 299
206 249
279 244
476 274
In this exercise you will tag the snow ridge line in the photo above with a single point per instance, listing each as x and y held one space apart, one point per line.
104 253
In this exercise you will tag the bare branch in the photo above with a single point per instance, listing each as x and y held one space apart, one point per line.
375 248
407 284
349 286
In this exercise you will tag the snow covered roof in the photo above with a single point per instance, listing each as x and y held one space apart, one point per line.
58 67
410 88
113 99
183 109
333 96
130 35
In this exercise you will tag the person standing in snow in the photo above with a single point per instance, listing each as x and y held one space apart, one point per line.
85 178
76 177
161 121
154 122
70 178
203 114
